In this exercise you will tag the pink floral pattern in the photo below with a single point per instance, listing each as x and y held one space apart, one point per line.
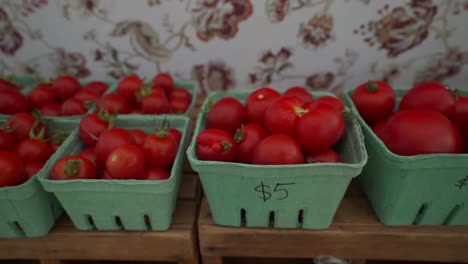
71 63
317 32
320 80
214 76
10 39
272 66
443 66
28 7
277 10
220 18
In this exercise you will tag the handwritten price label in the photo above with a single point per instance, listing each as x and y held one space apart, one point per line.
462 183
279 191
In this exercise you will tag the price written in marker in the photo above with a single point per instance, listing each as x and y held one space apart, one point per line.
279 192
462 183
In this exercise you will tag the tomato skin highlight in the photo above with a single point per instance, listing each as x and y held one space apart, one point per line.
257 103
109 141
374 100
215 145
277 149
126 162
12 171
226 114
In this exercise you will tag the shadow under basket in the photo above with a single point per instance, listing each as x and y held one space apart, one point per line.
422 189
133 205
287 196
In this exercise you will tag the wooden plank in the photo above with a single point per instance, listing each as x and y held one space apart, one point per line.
66 243
355 234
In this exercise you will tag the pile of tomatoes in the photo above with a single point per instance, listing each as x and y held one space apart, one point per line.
62 96
273 128
430 119
25 146
133 96
118 153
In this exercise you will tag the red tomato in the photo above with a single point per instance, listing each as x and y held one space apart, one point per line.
32 169
86 96
165 81
73 167
215 145
129 87
320 128
374 100
258 102
247 137
179 105
12 102
155 174
180 93
160 149
281 115
21 124
91 126
301 93
110 140
11 169
114 104
326 156
42 95
429 96
105 176
73 107
97 87
175 134
277 149
226 114
6 84
139 136
34 150
57 140
155 104
331 100
90 154
7 140
66 87
51 110
126 162
461 118
415 132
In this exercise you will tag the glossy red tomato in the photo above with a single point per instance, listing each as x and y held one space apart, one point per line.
6 84
175 134
114 103
257 103
91 126
155 174
73 107
180 93
374 100
97 87
73 167
320 128
110 140
326 156
160 149
86 96
331 100
429 96
42 95
126 162
226 114
129 86
12 102
51 110
105 176
165 81
21 124
155 104
7 140
12 171
379 125
215 145
90 154
277 149
179 105
32 169
282 114
66 87
301 93
247 137
34 150
415 132
139 136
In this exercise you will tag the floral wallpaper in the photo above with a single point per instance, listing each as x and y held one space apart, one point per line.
244 44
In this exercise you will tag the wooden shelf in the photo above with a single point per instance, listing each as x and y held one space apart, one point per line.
355 233
64 242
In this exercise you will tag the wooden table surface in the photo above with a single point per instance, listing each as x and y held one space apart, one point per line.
355 233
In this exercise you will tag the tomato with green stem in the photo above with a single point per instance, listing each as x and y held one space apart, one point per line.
35 149
91 126
160 149
215 145
73 167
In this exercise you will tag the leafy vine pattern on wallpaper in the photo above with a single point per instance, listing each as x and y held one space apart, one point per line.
389 28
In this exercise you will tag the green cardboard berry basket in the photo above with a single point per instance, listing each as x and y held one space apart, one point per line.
422 189
27 210
292 196
119 204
